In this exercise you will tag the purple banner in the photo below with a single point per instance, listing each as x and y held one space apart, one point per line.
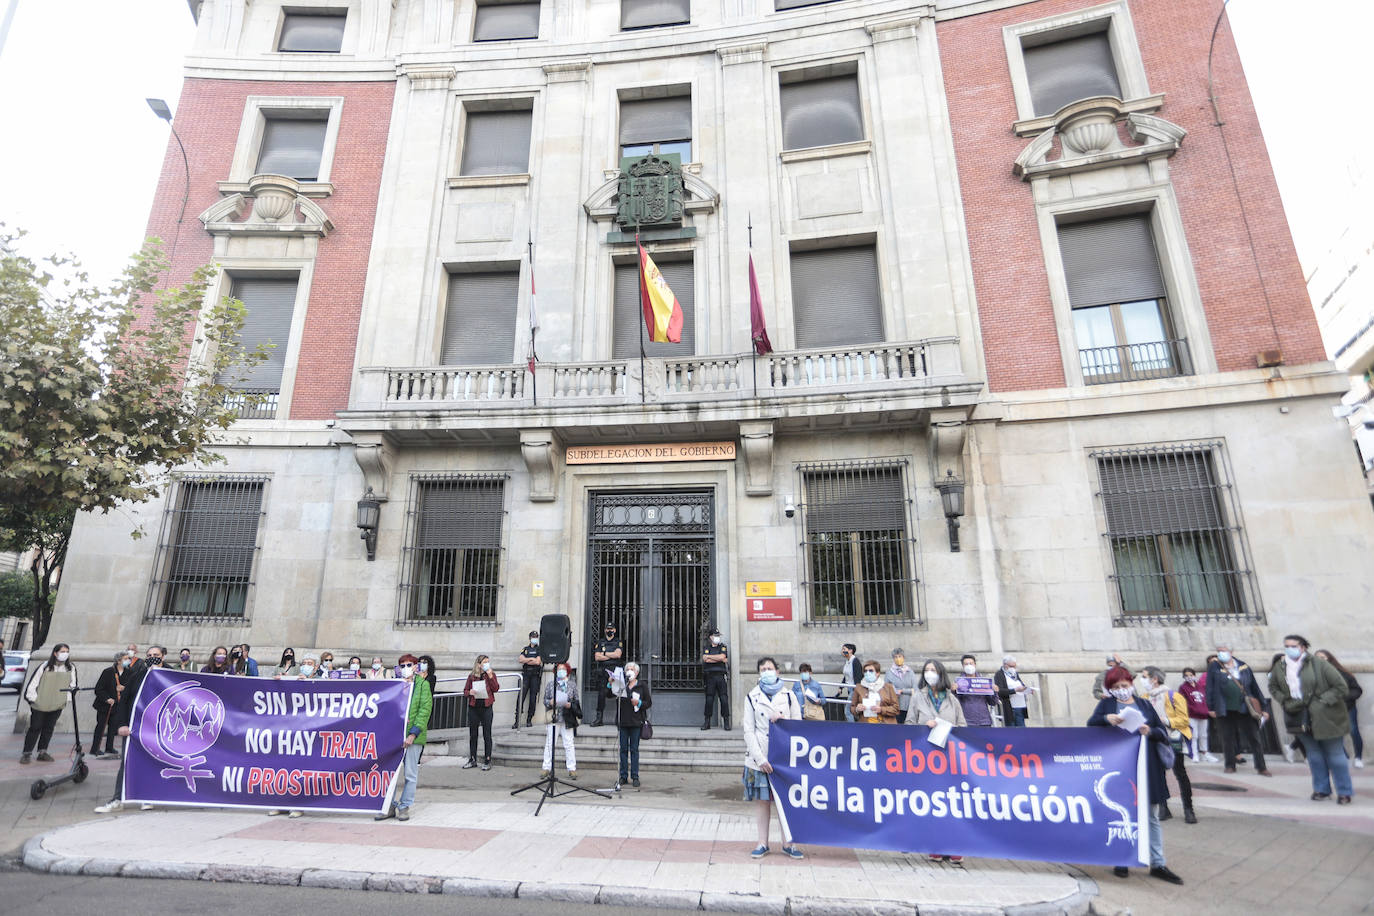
1050 794
247 742
976 686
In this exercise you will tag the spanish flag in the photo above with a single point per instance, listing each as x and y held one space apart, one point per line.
662 314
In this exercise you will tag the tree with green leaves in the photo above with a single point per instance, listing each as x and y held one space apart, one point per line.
104 390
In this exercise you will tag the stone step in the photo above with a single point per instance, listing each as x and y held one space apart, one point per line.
674 747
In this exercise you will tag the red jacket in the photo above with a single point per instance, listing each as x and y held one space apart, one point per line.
492 687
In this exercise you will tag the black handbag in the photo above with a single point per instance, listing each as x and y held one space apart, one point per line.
646 730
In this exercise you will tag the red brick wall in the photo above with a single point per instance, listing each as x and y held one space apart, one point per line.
1240 287
208 118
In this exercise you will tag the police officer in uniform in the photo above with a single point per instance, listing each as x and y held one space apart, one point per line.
715 665
531 669
609 655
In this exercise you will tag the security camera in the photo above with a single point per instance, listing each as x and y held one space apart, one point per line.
789 508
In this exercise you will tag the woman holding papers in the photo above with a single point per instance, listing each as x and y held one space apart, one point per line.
1121 708
934 701
767 702
874 700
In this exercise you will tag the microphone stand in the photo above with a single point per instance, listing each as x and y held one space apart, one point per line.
551 786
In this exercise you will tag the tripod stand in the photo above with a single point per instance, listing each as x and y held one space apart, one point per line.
551 786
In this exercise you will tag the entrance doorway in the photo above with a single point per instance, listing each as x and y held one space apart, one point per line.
650 558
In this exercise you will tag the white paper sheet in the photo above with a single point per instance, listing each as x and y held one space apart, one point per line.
1131 719
940 733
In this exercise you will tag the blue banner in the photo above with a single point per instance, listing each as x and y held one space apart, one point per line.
247 742
1050 794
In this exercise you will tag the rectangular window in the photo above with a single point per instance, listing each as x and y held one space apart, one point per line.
781 5
835 299
292 146
629 317
858 552
506 21
320 31
208 546
1172 526
820 112
268 303
453 567
496 143
647 14
1064 71
656 126
1116 289
479 327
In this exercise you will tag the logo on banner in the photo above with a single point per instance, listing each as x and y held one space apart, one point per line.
180 725
1123 828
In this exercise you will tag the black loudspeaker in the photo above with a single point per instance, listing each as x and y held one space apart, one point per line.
555 638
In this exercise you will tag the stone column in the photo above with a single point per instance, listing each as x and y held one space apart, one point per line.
561 231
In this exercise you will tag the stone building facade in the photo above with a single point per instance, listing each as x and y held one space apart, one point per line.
1027 298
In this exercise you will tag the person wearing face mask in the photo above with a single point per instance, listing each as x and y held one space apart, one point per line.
874 700
355 667
46 700
107 688
184 661
124 711
1353 693
1120 695
218 663
1198 719
631 712
810 696
1012 691
608 653
1235 702
1100 691
378 670
326 665
1172 708
935 699
429 671
715 666
561 709
1312 694
480 689
903 680
977 707
851 673
244 663
531 671
417 730
286 668
767 702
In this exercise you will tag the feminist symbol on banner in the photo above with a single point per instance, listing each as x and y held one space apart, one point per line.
1123 828
179 726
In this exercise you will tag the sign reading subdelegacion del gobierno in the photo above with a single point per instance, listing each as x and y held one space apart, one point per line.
658 451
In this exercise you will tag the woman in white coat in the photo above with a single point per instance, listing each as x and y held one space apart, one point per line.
769 701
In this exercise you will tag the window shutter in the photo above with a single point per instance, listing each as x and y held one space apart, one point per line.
1110 261
1066 71
655 120
292 147
821 112
312 32
868 499
499 21
217 532
835 299
794 4
1159 494
497 143
268 304
641 14
459 514
479 327
629 317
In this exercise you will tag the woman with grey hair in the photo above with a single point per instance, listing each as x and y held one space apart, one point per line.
1012 691
903 680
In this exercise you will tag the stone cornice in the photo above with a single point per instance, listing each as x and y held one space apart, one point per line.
904 25
753 52
425 76
572 71
1089 137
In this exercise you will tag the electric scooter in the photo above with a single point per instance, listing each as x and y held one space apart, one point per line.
79 771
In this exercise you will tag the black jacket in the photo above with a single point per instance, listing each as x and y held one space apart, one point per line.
1159 734
133 679
106 688
1004 694
625 715
1216 700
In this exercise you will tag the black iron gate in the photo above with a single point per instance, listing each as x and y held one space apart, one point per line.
650 571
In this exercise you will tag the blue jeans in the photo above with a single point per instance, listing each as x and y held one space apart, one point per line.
1327 761
1018 717
629 752
1156 839
412 775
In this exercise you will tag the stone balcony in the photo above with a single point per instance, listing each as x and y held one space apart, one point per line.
844 386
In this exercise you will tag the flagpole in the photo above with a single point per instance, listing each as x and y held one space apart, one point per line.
753 348
534 376
639 272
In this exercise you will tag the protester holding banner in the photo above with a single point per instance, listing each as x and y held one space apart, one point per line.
766 703
219 662
1173 710
560 714
46 700
480 689
123 716
184 662
874 700
935 700
1012 691
417 730
287 666
1121 707
977 706
810 696
903 680
379 671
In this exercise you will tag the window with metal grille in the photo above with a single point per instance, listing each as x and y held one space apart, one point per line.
1173 529
820 112
501 21
452 563
293 145
320 31
1069 69
497 142
858 552
206 552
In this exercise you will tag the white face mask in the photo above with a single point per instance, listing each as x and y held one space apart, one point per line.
932 678
1123 694
970 669
632 673
424 666
562 675
376 666
486 666
534 641
307 670
715 640
406 670
1224 657
355 667
63 656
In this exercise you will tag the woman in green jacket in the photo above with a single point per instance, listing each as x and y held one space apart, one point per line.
417 727
46 699
1312 694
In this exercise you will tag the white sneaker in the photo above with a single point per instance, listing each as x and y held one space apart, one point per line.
110 807
294 813
1212 758
274 812
145 807
1288 752
1359 763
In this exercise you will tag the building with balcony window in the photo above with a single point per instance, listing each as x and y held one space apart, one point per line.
1045 379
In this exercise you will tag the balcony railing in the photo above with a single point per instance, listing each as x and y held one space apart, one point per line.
253 403
734 377
1135 362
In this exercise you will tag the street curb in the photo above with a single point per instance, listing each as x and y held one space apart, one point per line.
36 858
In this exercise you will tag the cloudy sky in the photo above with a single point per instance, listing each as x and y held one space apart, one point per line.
81 153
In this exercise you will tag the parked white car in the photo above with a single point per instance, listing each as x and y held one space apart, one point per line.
16 663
